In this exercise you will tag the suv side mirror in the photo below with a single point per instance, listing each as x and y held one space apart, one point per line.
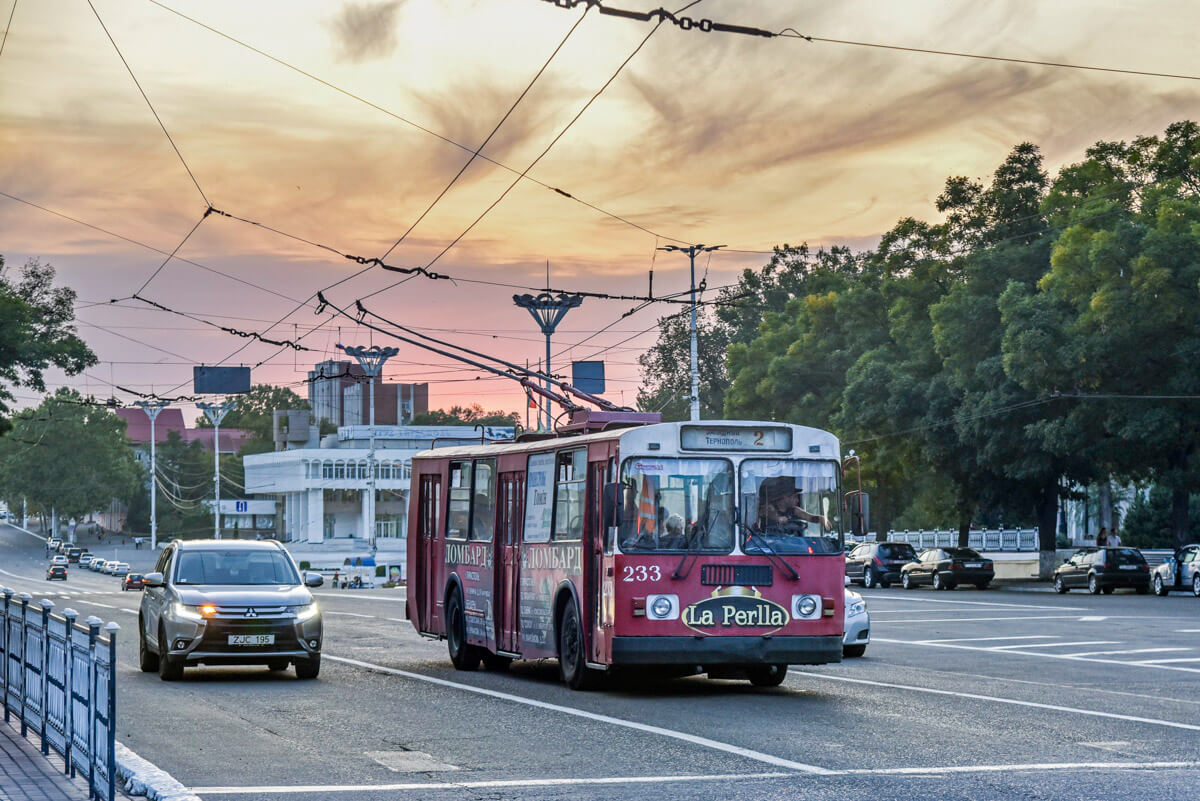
313 579
152 579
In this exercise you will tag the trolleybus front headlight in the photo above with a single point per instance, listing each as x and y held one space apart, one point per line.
662 607
806 607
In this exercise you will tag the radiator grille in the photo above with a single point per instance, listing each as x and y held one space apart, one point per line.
736 575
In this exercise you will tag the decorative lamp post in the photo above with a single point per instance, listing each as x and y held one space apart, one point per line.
548 310
216 413
371 360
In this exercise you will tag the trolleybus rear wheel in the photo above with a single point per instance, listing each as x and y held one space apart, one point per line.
463 655
767 675
572 661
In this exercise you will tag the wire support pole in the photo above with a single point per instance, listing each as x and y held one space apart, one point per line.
371 360
694 396
152 408
216 413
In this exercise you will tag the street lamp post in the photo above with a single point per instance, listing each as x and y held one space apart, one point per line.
152 408
371 360
216 413
691 251
548 311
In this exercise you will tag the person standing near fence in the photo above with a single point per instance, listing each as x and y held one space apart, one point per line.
1102 538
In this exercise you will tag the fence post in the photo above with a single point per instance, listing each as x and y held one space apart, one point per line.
47 605
110 749
8 594
69 615
93 624
25 598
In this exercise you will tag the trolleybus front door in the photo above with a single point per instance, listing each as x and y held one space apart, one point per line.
426 596
508 561
596 564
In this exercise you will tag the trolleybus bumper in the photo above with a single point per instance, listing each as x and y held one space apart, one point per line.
709 651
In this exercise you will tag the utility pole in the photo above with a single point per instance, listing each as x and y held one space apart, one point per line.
691 251
216 413
371 360
152 408
548 310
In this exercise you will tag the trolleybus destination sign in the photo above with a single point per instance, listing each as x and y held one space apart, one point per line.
735 438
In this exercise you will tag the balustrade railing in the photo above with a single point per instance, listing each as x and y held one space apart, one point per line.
57 678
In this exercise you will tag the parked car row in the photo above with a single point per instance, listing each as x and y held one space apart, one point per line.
1096 569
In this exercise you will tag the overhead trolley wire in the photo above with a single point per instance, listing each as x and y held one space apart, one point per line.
8 27
146 97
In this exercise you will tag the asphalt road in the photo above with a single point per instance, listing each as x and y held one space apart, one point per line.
965 694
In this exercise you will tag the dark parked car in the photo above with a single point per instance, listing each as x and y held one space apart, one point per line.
73 554
878 563
56 572
1103 570
133 581
946 568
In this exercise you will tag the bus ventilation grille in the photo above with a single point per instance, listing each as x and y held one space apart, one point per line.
736 575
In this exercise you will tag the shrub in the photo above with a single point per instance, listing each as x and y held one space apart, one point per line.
380 571
305 565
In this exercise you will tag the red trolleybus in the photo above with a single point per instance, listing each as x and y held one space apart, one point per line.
711 547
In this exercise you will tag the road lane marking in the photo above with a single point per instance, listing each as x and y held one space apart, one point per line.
1133 651
1187 631
360 597
998 700
346 614
704 742
979 619
1068 657
719 777
1166 661
985 639
1052 644
979 603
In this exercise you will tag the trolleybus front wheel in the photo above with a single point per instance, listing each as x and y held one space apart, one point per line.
463 655
572 661
767 675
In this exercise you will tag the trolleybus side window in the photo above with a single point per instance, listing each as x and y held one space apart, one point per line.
790 506
571 470
460 500
483 510
676 505
539 497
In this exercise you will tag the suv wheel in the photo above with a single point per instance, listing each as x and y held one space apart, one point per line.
906 581
308 668
147 659
868 578
1160 588
1059 586
168 669
939 583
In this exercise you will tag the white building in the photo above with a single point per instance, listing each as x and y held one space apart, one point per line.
322 486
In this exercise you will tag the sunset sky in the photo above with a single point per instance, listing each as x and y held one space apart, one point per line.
703 137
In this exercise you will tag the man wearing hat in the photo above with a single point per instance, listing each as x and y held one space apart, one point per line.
781 504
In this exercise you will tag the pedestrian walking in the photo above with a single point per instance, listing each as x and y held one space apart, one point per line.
335 578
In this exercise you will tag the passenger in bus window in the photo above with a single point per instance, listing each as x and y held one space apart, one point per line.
672 537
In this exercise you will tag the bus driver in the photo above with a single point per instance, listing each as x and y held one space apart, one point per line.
782 504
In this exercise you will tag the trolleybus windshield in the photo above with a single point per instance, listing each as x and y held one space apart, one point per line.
790 506
676 505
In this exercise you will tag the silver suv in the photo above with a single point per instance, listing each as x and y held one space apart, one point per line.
222 602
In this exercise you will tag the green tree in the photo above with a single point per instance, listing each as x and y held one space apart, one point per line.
465 416
255 411
36 332
69 455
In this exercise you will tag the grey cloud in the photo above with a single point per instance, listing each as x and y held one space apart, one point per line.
366 31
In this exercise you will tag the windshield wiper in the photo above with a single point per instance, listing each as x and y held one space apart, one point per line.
692 545
772 554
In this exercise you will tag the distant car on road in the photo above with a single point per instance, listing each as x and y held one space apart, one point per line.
857 626
946 568
221 602
58 559
85 560
120 568
53 544
97 564
1102 570
73 554
56 572
878 563
1181 571
132 582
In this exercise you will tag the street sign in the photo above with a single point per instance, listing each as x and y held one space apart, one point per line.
220 380
588 377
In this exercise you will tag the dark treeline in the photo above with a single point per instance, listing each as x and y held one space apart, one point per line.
1044 335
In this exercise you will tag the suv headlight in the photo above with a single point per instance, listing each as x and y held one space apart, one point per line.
186 612
307 611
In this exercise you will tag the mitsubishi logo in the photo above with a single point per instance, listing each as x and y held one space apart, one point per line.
251 613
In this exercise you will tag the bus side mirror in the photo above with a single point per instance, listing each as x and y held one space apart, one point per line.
858 508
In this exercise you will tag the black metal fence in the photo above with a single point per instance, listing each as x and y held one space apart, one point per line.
58 679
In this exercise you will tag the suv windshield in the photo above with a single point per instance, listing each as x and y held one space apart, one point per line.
235 567
790 506
676 505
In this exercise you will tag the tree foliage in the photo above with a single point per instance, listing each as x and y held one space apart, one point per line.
255 410
465 416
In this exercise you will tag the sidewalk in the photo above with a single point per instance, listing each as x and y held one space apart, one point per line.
26 775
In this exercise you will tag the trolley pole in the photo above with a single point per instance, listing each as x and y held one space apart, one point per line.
216 413
548 310
371 361
152 408
691 251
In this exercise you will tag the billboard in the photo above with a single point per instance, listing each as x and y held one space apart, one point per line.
220 380
588 377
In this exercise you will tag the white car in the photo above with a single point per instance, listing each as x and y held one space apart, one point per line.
858 626
58 559
120 569
108 567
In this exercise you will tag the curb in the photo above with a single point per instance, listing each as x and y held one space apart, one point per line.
139 777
